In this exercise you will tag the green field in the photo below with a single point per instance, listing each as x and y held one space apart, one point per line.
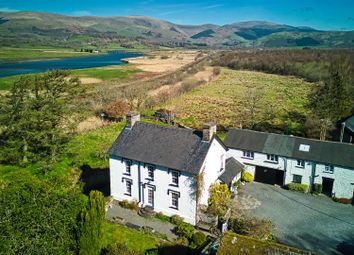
18 54
102 73
278 102
106 73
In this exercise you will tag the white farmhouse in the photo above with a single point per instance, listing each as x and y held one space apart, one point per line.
157 166
281 159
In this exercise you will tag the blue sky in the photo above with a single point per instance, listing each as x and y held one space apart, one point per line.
320 14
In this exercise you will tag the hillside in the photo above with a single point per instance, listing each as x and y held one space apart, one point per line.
39 28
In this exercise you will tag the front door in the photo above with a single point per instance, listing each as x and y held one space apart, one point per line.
327 186
150 194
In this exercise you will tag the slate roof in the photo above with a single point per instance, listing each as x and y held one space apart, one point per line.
232 169
334 153
349 123
175 148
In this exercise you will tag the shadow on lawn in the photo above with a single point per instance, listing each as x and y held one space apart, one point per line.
176 249
95 179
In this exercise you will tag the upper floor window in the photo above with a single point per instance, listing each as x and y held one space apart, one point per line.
329 169
222 162
248 154
272 157
174 177
300 163
151 170
128 165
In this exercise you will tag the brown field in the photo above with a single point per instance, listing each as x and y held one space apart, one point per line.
278 102
166 61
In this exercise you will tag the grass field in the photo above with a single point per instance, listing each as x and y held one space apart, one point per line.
134 240
102 73
106 73
275 102
17 54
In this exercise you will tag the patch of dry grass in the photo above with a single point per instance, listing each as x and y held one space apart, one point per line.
252 99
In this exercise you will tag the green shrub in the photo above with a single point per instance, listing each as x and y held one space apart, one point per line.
133 205
198 239
185 230
124 203
162 217
176 220
237 184
317 188
298 187
251 226
219 199
247 176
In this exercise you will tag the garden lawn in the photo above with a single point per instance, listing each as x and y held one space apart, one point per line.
89 148
280 101
133 239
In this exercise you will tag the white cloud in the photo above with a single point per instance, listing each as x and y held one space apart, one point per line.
212 6
81 13
6 9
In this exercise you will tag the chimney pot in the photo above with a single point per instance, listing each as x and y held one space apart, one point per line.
132 118
209 129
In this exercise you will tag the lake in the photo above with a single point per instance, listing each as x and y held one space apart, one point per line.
40 66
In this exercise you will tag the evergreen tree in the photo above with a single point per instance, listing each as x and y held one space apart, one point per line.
36 117
91 225
333 100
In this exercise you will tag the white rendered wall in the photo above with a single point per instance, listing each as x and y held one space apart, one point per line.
343 185
211 168
162 183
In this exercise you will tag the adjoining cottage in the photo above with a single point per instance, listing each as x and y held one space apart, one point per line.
281 159
158 166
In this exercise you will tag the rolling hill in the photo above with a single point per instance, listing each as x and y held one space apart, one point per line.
39 28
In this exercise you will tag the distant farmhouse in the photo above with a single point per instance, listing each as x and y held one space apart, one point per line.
281 159
158 166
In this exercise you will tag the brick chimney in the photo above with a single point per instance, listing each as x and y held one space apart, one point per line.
131 118
209 129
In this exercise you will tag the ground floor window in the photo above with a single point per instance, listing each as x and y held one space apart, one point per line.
150 196
297 178
174 200
128 188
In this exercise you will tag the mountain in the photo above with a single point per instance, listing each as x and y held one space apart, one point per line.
39 28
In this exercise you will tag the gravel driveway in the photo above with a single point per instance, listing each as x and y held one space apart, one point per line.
302 220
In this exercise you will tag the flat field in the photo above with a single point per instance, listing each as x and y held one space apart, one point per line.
251 99
19 54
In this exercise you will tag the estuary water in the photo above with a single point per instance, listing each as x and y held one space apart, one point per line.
40 66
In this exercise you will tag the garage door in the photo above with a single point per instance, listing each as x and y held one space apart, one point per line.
269 175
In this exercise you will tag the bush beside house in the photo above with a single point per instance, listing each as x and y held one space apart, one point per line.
298 187
317 188
247 176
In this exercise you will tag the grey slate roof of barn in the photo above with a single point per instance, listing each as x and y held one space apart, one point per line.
232 169
175 148
340 154
349 123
